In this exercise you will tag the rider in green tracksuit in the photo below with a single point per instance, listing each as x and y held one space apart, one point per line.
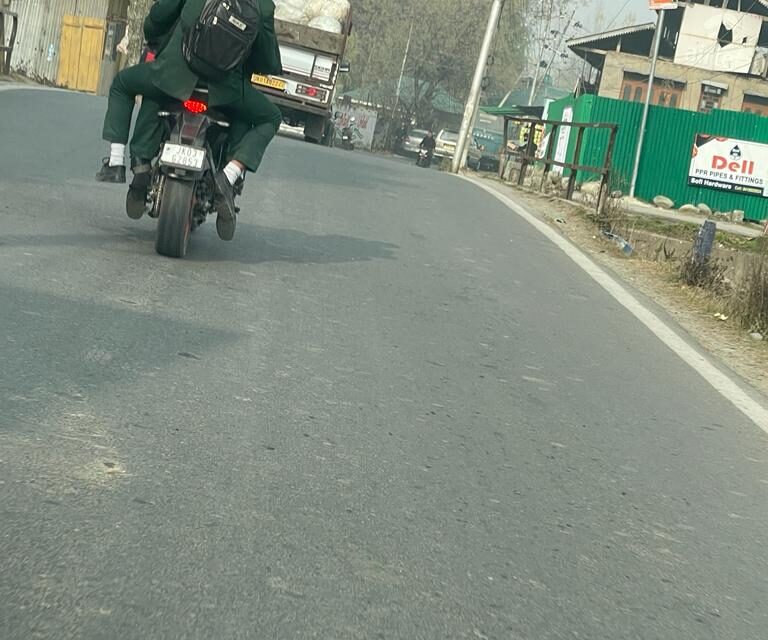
254 119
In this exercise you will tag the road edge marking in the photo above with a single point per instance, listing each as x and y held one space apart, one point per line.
32 87
721 382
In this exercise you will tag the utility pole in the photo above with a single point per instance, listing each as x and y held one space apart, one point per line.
555 51
473 99
647 106
540 53
400 80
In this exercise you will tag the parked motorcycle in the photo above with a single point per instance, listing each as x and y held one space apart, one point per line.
424 158
182 186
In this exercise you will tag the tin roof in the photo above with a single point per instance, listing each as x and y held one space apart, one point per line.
614 33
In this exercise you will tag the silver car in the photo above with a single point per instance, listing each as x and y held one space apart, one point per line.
412 141
445 143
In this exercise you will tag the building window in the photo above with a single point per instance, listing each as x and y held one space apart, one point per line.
669 96
667 93
711 97
755 104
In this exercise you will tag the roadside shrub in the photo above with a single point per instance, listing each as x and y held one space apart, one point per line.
704 273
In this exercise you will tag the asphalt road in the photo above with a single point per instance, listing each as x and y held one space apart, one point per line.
389 409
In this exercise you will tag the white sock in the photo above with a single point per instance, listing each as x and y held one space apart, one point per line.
116 155
233 173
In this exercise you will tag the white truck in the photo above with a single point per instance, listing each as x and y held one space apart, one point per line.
312 61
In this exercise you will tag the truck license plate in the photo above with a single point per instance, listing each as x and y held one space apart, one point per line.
268 81
179 155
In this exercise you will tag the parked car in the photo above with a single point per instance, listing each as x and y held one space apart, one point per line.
483 154
445 143
409 145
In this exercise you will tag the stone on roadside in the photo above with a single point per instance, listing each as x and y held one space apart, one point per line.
756 336
590 188
663 202
737 216
689 208
705 209
616 195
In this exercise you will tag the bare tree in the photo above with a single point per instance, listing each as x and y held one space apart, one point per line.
444 47
137 11
550 24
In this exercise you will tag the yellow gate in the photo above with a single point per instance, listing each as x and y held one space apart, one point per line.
80 53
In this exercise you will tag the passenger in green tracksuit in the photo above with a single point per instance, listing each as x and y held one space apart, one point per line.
254 119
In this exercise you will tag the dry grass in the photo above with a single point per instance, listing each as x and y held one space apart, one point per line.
749 300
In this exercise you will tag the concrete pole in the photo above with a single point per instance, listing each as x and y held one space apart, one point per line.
647 106
400 82
473 99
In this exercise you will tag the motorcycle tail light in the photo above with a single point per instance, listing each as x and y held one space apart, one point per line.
195 106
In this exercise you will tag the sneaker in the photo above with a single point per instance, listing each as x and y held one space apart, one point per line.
225 205
136 200
114 174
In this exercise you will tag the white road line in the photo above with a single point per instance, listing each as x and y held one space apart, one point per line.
722 383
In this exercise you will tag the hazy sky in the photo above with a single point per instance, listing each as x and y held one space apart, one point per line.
611 7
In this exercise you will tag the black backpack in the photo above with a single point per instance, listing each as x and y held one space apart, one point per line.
221 39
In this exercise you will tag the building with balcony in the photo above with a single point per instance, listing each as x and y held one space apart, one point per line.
713 54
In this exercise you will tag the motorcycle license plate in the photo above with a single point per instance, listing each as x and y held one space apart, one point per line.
182 156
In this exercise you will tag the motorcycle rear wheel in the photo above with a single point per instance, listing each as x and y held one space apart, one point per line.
174 222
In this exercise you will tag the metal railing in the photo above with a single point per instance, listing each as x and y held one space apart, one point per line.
529 157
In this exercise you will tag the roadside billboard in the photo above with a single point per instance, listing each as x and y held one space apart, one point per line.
728 164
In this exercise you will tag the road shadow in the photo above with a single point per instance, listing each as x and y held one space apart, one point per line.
56 347
253 244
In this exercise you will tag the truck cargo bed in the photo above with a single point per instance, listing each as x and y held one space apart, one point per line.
310 38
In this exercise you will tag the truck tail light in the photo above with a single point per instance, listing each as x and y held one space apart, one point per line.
311 92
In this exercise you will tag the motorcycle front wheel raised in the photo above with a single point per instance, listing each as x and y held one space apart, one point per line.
174 223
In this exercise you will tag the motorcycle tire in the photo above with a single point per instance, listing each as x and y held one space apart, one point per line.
174 223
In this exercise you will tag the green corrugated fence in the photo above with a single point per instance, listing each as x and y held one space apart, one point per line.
667 149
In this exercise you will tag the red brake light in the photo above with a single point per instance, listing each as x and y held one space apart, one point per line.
195 106
312 92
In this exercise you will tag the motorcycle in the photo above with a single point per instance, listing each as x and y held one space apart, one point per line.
424 159
182 189
347 139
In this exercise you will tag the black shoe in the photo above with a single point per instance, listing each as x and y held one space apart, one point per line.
114 174
136 200
225 205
